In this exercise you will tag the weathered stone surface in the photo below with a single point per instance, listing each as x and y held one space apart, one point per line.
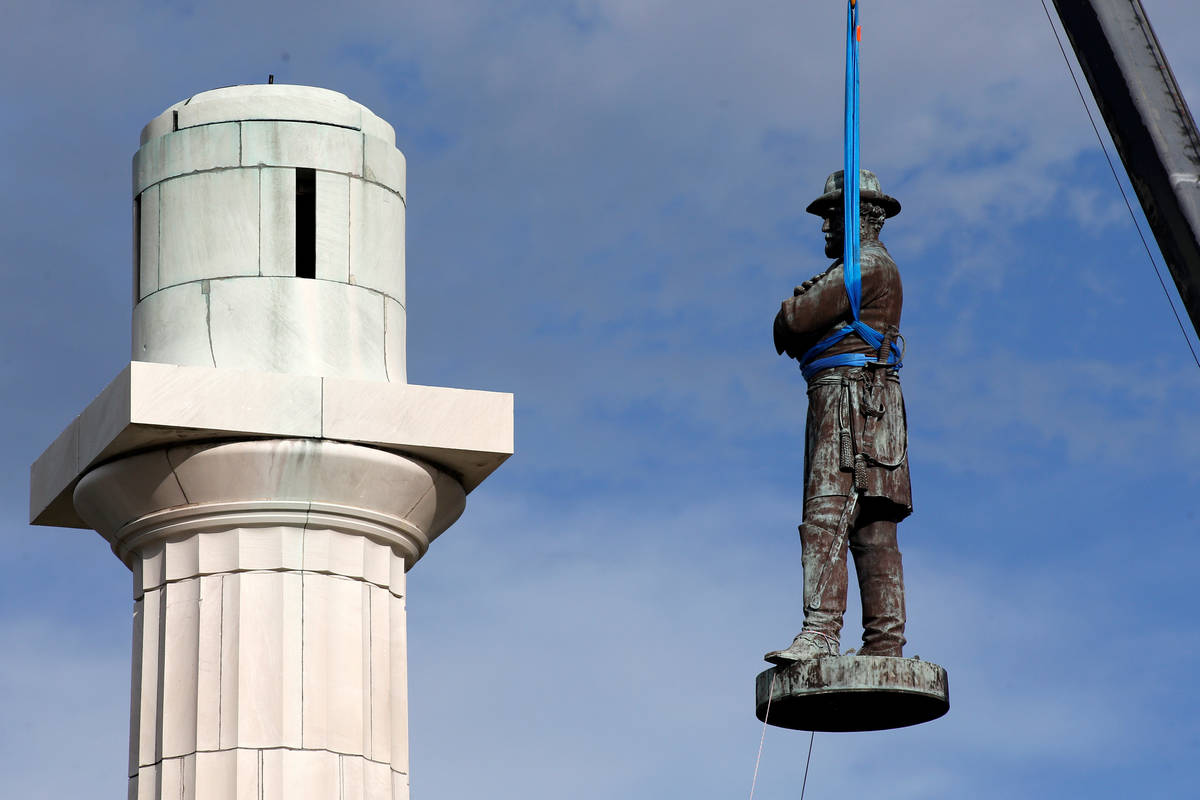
333 227
384 164
182 152
377 239
285 325
852 693
300 144
208 226
468 433
146 257
268 102
277 101
277 222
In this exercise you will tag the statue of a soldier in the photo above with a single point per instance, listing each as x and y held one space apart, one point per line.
856 481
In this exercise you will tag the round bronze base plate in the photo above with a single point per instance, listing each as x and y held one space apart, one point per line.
852 693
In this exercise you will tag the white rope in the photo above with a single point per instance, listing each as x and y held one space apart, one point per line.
763 738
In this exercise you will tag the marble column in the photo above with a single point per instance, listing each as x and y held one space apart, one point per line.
262 464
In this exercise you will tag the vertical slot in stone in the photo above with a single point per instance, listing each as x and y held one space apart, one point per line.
306 223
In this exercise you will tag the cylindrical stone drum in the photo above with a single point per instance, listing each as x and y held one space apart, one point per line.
269 235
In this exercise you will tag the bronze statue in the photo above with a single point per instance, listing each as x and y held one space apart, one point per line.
856 480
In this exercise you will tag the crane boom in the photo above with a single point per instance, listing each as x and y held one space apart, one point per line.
1150 124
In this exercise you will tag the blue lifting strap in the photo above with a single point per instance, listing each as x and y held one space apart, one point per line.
811 363
850 200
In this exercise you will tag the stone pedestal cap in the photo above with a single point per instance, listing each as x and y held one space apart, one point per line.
464 433
273 101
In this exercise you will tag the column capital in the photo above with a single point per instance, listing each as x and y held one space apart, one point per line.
172 492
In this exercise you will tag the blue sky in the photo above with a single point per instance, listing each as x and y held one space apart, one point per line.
605 208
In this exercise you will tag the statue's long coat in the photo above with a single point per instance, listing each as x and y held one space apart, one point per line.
809 317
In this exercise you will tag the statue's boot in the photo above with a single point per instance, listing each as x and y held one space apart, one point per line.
807 645
881 582
824 597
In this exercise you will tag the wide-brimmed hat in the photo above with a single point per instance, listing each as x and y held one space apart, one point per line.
868 190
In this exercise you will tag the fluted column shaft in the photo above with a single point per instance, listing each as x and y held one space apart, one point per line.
263 652
269 630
